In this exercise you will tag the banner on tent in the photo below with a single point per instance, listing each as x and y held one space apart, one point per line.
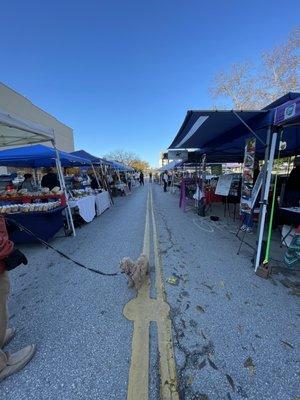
287 111
248 172
177 155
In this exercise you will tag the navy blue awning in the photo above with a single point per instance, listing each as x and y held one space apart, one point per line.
221 135
201 127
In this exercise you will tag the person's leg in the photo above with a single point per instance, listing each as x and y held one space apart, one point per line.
10 362
4 291
165 186
250 223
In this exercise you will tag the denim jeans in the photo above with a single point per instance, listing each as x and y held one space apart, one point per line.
247 220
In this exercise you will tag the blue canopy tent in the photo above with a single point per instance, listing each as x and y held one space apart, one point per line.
122 167
37 156
93 159
119 166
221 135
102 161
42 156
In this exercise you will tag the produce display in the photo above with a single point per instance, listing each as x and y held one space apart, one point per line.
29 207
23 201
24 192
78 193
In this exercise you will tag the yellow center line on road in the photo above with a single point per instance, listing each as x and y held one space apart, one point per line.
142 310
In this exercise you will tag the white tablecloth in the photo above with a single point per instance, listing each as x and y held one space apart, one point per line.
102 202
86 206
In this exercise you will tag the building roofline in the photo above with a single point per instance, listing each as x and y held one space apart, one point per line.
39 108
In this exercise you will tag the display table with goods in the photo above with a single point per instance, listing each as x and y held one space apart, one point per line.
89 203
40 212
85 204
121 188
102 202
24 197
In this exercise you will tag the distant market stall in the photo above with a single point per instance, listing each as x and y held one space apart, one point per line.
114 176
221 136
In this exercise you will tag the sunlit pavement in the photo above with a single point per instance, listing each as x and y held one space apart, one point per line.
234 334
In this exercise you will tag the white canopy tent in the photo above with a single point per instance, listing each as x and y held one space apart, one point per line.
16 131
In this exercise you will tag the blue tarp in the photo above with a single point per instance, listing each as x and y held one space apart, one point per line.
221 135
38 156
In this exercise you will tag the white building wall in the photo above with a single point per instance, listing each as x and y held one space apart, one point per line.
17 104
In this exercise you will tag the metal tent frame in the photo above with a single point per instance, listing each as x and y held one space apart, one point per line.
16 131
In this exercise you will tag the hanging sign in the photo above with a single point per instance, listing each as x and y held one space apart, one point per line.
224 184
248 171
181 155
287 111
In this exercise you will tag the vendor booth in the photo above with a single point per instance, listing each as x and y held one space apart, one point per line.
243 136
99 166
40 210
16 131
111 174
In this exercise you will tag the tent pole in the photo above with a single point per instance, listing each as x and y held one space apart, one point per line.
96 175
265 199
248 127
63 184
267 151
266 260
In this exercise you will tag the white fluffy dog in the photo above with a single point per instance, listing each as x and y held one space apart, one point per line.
136 271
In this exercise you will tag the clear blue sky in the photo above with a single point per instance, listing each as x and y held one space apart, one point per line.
123 73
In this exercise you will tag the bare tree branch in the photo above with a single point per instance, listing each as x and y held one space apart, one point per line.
128 158
251 87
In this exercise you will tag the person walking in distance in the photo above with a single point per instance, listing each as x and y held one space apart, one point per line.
9 258
150 177
141 178
165 180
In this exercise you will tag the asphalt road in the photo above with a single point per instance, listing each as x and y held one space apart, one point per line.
234 334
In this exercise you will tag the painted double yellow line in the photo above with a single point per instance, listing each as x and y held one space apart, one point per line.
142 310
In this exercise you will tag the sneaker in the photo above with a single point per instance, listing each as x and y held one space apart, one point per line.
10 333
249 230
243 228
14 362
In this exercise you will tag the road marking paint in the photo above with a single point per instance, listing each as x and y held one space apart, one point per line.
165 342
142 310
